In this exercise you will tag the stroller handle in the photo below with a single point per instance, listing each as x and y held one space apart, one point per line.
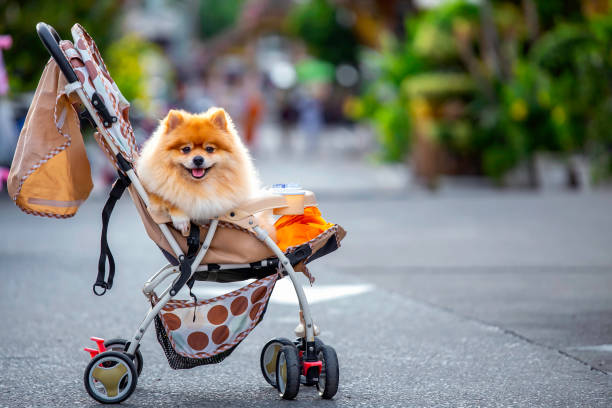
50 40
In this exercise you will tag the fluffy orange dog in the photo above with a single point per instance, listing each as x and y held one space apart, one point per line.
195 167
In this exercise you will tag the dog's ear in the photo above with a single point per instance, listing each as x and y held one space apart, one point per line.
219 119
173 119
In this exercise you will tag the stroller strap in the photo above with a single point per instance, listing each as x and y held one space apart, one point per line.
102 285
193 244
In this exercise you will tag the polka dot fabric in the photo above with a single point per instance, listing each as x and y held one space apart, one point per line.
218 324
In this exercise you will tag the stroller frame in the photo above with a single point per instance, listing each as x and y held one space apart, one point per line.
51 40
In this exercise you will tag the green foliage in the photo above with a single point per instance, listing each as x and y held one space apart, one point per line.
551 12
382 102
423 65
580 81
554 95
312 70
216 16
437 85
393 125
25 59
317 23
127 59
432 31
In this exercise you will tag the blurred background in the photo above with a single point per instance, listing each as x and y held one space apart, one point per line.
465 146
509 93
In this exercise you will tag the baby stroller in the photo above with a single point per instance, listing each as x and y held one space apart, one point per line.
50 176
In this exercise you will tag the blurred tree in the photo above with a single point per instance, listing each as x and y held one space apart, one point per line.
383 103
326 29
216 16
25 60
541 75
551 12
128 60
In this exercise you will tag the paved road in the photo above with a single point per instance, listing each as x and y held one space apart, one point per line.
480 299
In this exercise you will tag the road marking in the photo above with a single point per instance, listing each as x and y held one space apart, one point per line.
284 293
602 347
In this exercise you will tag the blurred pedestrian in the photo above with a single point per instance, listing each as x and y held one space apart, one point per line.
287 116
311 120
253 109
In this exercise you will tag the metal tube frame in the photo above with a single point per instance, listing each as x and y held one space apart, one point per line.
286 264
165 297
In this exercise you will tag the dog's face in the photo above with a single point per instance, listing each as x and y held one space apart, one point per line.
197 146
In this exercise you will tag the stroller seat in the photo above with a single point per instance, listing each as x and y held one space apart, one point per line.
234 243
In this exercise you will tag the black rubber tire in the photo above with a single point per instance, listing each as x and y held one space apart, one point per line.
292 385
283 342
318 344
129 382
122 342
330 373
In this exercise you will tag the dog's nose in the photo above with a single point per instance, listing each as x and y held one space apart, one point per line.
198 160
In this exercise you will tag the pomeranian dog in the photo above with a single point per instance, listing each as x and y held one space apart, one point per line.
195 167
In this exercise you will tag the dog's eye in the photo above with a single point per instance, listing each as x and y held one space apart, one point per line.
186 149
210 149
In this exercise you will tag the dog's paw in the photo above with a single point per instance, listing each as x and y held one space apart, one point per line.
181 223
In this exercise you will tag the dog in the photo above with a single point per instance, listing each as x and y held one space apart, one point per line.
195 167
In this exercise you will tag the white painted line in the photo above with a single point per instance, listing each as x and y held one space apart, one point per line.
607 348
284 293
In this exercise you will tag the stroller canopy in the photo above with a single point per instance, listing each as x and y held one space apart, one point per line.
50 174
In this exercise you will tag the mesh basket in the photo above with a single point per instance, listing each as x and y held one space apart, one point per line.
207 331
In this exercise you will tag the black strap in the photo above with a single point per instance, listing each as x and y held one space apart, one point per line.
193 244
189 284
193 241
102 285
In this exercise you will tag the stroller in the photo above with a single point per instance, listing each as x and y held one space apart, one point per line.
50 176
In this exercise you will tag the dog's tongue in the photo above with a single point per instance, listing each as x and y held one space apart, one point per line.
197 172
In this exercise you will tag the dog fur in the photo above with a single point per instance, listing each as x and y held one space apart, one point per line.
185 146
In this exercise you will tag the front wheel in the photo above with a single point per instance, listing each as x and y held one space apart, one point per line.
330 372
288 372
110 377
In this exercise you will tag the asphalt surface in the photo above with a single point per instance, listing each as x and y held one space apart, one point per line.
483 299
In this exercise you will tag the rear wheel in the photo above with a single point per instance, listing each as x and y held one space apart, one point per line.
119 345
330 373
288 372
269 355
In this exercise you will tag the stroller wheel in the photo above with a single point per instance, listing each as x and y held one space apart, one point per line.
318 344
269 355
110 377
330 373
119 345
288 372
